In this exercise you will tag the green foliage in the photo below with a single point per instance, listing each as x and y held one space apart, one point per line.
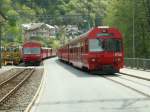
24 11
123 14
85 14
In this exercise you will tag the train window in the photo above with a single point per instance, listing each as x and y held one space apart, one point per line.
32 50
112 45
118 46
95 45
109 45
104 34
26 51
2 49
10 49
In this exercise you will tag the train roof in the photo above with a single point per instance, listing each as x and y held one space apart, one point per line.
96 30
32 43
92 32
46 48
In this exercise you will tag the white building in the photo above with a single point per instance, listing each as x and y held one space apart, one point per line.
38 30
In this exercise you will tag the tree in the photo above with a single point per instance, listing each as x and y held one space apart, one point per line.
120 14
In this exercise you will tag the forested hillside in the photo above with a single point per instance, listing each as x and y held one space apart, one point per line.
132 17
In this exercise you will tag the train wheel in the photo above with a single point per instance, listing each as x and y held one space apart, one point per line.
85 69
37 63
26 64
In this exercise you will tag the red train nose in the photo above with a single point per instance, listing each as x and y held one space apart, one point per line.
32 58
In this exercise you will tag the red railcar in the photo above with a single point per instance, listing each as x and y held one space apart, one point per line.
100 49
48 52
34 53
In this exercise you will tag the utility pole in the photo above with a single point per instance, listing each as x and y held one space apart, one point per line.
133 39
2 20
0 44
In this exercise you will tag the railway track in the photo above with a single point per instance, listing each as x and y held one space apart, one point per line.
11 85
147 79
115 80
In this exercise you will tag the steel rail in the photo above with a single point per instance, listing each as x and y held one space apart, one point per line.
144 78
129 87
135 82
2 100
12 77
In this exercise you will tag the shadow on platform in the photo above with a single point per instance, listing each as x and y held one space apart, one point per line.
81 73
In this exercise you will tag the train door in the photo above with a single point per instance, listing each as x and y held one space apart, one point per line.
108 52
82 52
79 54
68 52
85 52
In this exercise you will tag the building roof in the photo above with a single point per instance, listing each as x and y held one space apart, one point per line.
49 26
32 26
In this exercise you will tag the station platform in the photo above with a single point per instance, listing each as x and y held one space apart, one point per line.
67 89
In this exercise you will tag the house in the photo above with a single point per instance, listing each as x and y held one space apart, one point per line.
33 30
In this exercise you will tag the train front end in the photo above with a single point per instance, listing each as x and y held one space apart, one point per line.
105 50
32 53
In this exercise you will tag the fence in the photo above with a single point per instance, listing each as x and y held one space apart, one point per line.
139 63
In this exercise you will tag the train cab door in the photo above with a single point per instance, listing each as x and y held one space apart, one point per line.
108 52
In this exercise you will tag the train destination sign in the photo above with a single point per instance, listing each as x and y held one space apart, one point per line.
104 34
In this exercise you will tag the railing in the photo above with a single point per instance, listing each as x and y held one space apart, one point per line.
139 63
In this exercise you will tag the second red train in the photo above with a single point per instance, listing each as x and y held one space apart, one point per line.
33 53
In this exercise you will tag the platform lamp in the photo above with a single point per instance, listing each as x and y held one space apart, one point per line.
2 20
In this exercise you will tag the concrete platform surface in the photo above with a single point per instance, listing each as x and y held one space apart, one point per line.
67 89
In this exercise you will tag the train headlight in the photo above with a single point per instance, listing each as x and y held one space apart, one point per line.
93 59
117 59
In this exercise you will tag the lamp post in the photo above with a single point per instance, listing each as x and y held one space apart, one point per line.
2 19
133 39
0 44
0 41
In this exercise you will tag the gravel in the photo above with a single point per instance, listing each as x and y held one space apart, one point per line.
22 98
11 84
5 75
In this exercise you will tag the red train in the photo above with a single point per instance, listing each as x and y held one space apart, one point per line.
98 50
34 53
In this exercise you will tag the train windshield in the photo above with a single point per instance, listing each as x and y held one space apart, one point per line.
11 49
95 45
31 50
113 45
